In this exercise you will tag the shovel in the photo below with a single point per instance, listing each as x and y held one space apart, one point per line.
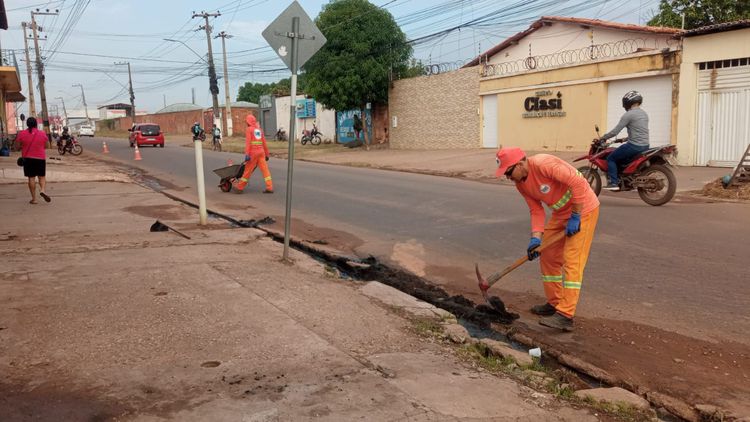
485 284
161 227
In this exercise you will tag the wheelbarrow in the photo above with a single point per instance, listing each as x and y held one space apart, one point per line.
228 174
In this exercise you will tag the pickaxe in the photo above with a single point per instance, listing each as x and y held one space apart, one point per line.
485 284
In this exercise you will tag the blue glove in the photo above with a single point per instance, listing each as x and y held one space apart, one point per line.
574 224
247 158
534 243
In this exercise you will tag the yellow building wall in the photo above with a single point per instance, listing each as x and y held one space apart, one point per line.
584 105
703 48
652 62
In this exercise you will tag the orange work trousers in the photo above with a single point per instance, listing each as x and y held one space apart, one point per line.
562 263
256 160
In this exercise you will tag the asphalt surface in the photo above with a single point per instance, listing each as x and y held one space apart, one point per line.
680 267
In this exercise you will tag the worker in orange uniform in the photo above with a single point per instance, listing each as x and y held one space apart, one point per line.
548 179
256 155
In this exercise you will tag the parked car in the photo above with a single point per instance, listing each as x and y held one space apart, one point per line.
86 130
146 134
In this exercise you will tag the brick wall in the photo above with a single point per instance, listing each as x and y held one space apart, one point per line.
436 112
179 123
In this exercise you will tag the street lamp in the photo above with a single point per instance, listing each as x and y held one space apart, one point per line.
187 46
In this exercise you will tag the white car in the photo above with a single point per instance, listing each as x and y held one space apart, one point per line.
86 130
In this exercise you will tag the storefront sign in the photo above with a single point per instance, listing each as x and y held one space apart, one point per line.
537 106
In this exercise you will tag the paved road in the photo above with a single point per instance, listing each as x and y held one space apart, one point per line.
683 265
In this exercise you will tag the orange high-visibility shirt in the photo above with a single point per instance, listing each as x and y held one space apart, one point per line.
556 183
255 141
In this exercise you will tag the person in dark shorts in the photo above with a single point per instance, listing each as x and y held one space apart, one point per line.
33 142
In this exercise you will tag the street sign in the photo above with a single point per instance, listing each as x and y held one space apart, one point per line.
279 35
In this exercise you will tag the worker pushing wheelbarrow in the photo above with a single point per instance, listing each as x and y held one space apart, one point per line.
228 175
256 155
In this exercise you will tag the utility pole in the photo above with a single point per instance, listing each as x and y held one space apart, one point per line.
227 101
212 83
32 105
132 95
40 69
165 100
65 111
85 107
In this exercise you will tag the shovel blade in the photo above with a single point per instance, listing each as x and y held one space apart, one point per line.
158 226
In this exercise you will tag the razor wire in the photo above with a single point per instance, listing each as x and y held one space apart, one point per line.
438 68
568 57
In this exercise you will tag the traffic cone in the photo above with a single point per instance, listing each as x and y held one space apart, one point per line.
137 154
229 162
105 150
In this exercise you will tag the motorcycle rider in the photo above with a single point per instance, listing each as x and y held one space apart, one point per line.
636 121
547 179
256 155
196 130
65 137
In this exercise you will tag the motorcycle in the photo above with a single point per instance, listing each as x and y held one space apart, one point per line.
312 136
650 172
201 136
70 145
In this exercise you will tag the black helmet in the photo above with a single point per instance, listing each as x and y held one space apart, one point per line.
632 97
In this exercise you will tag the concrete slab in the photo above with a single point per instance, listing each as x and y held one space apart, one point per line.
394 297
430 380
615 395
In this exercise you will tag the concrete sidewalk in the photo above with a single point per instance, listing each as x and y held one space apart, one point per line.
476 164
102 320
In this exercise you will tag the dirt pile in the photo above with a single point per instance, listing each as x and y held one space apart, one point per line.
716 190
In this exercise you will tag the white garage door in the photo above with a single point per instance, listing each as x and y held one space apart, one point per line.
723 123
489 121
657 102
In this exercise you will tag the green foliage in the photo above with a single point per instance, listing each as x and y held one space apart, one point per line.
252 91
699 12
413 69
365 46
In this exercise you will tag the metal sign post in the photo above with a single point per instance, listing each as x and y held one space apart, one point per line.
295 38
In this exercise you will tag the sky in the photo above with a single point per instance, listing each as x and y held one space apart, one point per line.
87 37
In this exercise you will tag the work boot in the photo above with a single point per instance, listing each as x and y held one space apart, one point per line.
268 191
558 321
543 310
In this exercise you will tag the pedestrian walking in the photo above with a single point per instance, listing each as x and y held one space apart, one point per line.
547 179
34 158
256 155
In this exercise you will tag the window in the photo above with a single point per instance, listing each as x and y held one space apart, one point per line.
718 64
149 130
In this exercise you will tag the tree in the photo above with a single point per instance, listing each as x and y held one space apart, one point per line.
365 48
251 92
699 12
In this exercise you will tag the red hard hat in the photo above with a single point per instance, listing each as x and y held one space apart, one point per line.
507 157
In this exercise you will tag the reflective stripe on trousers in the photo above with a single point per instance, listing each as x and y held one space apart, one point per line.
562 264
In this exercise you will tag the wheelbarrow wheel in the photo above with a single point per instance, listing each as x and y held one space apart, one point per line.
225 185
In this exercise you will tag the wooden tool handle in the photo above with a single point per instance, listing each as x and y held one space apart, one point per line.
492 279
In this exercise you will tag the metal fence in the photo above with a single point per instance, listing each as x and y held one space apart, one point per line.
567 57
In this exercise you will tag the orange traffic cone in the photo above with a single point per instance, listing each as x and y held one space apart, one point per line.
137 154
105 150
